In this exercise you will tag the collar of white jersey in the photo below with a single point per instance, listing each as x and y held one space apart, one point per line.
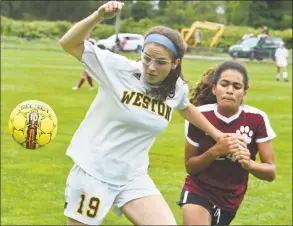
227 119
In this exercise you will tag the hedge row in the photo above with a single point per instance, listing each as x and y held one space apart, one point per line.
55 30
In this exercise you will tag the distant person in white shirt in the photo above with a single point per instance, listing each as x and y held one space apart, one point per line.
281 56
134 104
198 37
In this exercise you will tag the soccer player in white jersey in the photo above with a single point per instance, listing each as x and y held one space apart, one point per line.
281 56
218 171
134 104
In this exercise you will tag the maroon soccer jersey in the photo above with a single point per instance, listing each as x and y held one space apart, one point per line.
224 182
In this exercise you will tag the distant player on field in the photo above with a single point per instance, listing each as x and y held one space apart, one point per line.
281 56
218 171
133 106
85 75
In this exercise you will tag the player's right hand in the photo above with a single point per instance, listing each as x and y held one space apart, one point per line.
240 138
110 9
228 143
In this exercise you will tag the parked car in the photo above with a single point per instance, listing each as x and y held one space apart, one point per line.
256 48
134 42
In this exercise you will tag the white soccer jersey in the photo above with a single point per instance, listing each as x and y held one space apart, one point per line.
113 141
281 55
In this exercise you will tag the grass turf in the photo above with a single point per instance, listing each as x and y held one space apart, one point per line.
33 182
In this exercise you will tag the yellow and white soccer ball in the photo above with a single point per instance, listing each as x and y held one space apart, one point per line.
33 124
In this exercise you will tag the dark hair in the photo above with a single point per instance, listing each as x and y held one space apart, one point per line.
168 85
202 93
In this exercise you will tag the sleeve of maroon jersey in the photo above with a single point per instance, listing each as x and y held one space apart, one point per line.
264 131
192 134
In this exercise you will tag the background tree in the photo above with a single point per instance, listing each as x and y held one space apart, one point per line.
237 13
274 14
176 14
126 13
161 6
208 12
141 10
12 9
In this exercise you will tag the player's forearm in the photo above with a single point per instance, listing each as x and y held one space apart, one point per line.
263 171
194 116
198 163
79 32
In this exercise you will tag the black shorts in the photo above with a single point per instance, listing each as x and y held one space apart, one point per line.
219 217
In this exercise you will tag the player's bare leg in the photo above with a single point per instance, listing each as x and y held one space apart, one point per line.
278 73
285 74
195 215
81 81
89 80
70 221
150 210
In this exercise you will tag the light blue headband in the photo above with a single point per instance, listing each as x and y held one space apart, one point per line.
160 39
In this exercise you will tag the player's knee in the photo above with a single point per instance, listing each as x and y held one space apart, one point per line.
195 215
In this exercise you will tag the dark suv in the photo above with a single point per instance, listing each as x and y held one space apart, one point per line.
256 48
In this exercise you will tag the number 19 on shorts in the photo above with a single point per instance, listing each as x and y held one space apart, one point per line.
91 209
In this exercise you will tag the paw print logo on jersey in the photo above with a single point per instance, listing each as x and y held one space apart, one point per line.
246 133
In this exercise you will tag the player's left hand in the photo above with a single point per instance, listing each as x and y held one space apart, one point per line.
243 157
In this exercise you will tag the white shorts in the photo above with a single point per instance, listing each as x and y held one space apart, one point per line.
282 64
88 200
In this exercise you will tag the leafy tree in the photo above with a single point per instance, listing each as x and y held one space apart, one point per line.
141 10
237 13
176 14
162 5
207 12
49 10
127 10
274 14
12 9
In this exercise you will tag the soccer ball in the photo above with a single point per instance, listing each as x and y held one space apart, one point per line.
33 124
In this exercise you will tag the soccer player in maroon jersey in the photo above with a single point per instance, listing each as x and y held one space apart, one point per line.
218 172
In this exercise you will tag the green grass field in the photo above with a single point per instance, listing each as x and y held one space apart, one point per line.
33 182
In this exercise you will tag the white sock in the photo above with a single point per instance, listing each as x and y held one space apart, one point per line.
278 76
285 75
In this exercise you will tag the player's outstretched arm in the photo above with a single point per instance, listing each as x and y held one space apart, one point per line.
194 116
194 163
72 41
